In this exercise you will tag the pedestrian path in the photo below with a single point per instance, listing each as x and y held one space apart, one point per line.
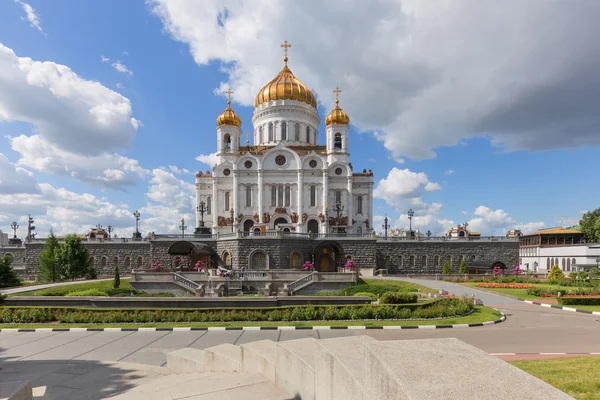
22 289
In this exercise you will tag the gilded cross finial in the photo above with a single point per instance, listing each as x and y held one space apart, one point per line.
285 47
337 92
229 92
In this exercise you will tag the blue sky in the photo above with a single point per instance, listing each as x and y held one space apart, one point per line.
457 126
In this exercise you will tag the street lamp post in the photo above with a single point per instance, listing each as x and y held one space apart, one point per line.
183 227
411 213
30 228
385 226
14 226
428 233
231 213
201 209
109 229
338 208
137 216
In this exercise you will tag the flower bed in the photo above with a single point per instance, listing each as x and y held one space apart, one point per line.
495 285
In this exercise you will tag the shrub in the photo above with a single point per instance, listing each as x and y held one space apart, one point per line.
573 275
594 272
160 294
2 298
89 292
123 291
8 276
117 278
579 301
398 298
446 270
536 291
556 274
496 285
463 267
373 296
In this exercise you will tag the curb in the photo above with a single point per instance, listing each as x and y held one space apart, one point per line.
258 328
545 354
536 303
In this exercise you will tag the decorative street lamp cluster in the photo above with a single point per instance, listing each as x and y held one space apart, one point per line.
385 226
411 213
338 208
137 234
183 227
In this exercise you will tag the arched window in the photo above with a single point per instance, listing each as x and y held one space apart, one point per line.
388 260
338 196
140 261
359 205
128 261
260 134
548 263
460 258
227 142
296 260
284 130
337 141
449 259
248 196
573 262
312 226
313 196
423 260
307 134
226 201
568 264
563 264
273 196
359 230
9 257
208 205
297 132
115 261
91 262
288 195
258 260
280 196
412 261
436 260
270 131
227 259
104 261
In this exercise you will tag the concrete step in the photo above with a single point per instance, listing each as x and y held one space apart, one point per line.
186 360
339 368
16 390
39 393
295 367
259 357
209 386
223 358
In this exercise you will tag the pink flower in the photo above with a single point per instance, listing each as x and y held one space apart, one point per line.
156 266
308 266
199 266
350 265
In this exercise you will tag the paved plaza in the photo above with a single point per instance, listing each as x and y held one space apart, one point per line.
68 361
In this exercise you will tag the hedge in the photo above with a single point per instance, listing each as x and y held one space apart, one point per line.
398 298
442 308
373 296
579 301
88 292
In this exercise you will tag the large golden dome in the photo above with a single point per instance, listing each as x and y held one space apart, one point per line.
337 116
285 86
229 117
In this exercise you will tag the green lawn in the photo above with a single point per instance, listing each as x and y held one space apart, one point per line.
522 293
63 290
576 376
481 314
379 287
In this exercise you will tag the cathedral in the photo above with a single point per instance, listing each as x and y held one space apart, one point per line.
285 181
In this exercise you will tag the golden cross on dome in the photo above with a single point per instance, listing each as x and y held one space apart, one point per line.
229 92
337 92
285 47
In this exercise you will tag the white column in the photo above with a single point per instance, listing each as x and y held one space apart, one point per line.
350 205
214 205
260 195
300 195
235 201
325 196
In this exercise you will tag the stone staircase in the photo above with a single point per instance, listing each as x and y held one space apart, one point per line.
349 368
21 390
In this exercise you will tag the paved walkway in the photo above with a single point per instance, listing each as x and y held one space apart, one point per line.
46 286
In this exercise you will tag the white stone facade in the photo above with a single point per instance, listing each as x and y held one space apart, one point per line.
569 257
285 180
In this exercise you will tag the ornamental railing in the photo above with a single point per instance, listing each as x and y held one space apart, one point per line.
185 282
300 283
251 275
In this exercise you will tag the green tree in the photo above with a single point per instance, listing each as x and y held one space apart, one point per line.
446 270
555 274
117 281
48 270
590 224
72 258
594 272
463 267
8 276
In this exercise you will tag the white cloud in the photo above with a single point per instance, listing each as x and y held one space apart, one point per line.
31 16
14 179
108 170
402 189
179 171
524 74
208 159
449 172
432 187
497 222
119 85
104 59
68 111
122 68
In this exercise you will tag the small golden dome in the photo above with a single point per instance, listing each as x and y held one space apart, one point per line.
337 116
229 117
285 86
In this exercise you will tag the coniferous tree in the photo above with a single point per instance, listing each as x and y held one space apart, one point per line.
556 274
446 270
463 267
73 258
117 281
49 270
8 276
